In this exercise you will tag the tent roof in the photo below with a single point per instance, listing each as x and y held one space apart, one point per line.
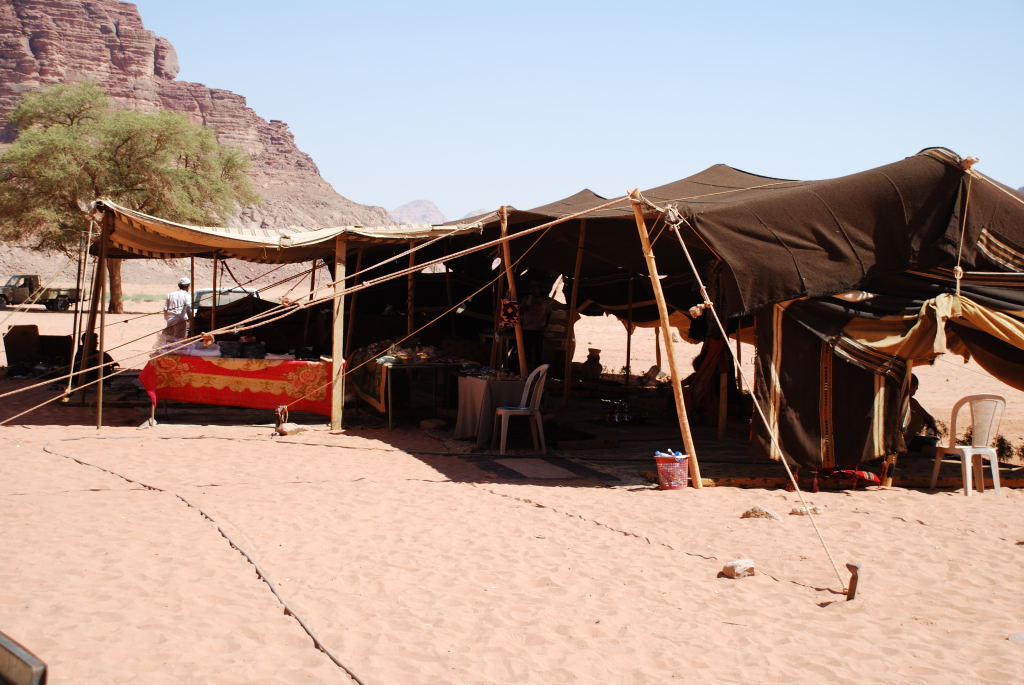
142 235
760 240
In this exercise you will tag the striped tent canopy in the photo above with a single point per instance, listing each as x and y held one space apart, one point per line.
135 234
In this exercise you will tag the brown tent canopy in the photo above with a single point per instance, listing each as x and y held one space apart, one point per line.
759 240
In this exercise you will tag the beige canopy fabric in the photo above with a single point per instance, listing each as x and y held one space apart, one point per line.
138 234
919 339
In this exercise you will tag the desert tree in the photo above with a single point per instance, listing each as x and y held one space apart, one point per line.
74 147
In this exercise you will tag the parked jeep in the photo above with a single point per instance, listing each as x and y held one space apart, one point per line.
25 289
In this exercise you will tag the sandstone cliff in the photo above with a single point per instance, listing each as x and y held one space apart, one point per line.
44 42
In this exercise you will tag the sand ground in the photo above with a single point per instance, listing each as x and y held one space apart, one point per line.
150 556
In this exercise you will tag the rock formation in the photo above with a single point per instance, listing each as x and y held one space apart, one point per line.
44 42
418 212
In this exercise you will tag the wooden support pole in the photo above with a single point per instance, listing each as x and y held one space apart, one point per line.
449 293
352 302
410 297
629 329
739 360
657 346
76 324
570 323
83 246
101 276
86 340
507 258
312 280
496 298
659 296
338 334
213 309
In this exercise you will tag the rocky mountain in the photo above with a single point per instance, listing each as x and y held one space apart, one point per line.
418 212
44 42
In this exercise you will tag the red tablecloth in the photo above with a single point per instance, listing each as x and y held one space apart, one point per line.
255 383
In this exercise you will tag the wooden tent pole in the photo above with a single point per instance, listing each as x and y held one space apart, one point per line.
338 334
570 323
507 258
312 280
496 299
76 325
657 346
213 309
192 281
85 340
352 302
739 360
77 320
659 296
410 296
629 329
101 271
449 294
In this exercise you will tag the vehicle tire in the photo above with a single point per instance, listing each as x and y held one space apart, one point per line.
62 304
3 302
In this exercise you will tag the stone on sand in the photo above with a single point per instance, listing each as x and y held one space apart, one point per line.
759 512
739 568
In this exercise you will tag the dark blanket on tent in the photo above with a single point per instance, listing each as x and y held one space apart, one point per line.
834 375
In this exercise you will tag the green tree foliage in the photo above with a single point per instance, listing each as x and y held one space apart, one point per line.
74 147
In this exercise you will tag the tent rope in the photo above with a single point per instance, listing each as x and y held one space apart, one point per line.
958 271
995 185
676 220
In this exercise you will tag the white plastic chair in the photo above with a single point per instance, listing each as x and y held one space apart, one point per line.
529 406
986 410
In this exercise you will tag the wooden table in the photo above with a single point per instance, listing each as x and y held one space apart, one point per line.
478 399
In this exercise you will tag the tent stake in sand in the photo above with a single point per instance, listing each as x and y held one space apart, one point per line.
854 569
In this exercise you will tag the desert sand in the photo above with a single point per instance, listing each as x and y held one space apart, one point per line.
153 556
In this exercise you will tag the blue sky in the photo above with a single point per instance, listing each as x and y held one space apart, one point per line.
477 104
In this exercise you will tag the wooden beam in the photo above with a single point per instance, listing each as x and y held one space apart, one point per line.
666 332
506 257
570 323
312 279
101 272
629 329
76 325
192 285
352 301
338 334
657 346
85 340
213 302
410 295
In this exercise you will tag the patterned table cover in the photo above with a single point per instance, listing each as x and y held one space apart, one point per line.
253 383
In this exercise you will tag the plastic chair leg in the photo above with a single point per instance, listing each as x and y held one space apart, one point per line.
966 468
994 464
978 463
939 454
533 433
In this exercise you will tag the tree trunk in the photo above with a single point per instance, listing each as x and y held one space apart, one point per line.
116 295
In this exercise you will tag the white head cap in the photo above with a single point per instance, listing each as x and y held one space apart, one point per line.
184 281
